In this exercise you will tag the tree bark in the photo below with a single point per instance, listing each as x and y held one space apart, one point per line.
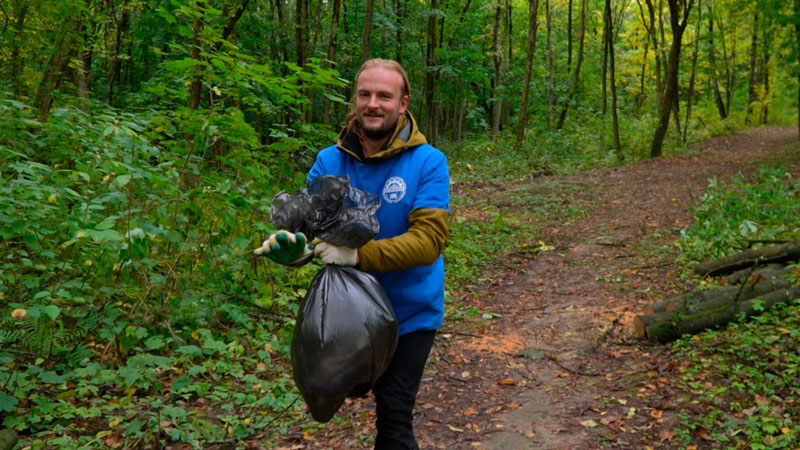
679 14
604 63
54 70
690 95
569 37
497 104
712 59
573 89
752 96
797 54
749 258
399 11
430 81
16 62
533 23
330 55
113 76
365 41
614 115
196 87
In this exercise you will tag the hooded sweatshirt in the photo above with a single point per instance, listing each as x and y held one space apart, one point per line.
412 180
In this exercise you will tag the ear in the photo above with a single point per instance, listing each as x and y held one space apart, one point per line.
403 104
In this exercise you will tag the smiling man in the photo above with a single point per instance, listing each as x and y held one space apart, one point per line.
382 151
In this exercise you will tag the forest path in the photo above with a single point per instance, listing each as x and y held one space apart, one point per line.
553 368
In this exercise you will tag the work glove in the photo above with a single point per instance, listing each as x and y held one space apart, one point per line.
286 248
333 254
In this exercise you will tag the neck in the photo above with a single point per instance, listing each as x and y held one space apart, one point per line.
371 146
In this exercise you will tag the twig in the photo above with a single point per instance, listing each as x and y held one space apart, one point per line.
611 244
174 336
603 337
576 372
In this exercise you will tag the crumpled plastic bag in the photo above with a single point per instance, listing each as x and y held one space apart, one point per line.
344 339
346 330
329 209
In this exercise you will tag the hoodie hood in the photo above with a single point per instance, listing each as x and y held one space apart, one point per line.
406 135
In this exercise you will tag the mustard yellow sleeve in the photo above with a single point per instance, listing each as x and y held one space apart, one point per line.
421 245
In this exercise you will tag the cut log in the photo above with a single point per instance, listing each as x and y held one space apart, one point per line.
714 298
765 271
640 323
656 307
677 324
749 258
8 438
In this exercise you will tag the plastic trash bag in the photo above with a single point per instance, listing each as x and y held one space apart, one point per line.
329 209
344 339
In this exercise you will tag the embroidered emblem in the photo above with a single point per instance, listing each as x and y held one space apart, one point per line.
394 190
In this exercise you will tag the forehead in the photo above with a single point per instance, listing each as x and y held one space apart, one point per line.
380 78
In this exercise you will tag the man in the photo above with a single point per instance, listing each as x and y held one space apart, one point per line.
382 151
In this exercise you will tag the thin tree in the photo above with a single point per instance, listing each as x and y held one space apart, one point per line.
610 50
497 59
430 81
533 10
573 89
551 66
797 53
365 41
330 55
690 95
752 96
712 59
679 16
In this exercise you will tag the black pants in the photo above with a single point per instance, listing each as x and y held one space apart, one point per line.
396 391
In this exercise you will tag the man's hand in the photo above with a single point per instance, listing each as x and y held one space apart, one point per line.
286 248
332 254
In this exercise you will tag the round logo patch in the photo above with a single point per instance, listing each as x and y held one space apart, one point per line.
394 190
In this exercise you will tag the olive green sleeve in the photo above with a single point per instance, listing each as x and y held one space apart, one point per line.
421 245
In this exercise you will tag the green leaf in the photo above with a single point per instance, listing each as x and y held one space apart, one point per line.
52 311
51 377
7 402
190 350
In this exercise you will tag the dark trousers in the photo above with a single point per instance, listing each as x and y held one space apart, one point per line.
396 391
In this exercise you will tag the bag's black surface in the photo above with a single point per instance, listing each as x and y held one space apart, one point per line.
329 209
344 339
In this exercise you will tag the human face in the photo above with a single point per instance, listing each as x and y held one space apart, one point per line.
379 102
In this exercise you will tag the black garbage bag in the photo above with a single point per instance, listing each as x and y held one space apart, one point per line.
344 338
329 209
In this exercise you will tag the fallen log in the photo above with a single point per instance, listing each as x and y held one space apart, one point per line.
670 325
767 271
657 307
713 298
749 258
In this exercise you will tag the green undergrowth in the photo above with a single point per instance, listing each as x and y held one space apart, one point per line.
739 387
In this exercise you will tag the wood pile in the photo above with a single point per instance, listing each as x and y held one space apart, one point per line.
751 281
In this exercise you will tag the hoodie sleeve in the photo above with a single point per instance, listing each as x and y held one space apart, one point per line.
421 245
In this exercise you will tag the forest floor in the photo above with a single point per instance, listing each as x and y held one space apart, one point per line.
555 365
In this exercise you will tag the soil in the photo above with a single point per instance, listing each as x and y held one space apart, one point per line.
555 365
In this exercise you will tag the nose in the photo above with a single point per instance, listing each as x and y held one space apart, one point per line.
373 101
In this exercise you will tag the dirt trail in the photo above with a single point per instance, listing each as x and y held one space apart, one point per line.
554 370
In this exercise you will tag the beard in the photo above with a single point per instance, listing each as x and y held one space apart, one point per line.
377 133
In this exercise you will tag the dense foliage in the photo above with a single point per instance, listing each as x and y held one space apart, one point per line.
142 140
740 383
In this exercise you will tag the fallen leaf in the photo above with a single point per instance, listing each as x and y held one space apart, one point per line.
457 430
656 414
471 411
507 382
589 423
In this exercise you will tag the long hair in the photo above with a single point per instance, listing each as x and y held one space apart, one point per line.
350 119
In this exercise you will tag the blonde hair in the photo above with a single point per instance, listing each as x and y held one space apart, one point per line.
350 118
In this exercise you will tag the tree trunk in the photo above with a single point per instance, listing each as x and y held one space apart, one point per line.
399 22
551 102
640 99
712 59
114 59
430 82
614 115
497 59
533 9
16 62
690 96
365 41
752 96
330 55
196 87
678 20
765 80
604 63
54 71
301 31
569 37
573 89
